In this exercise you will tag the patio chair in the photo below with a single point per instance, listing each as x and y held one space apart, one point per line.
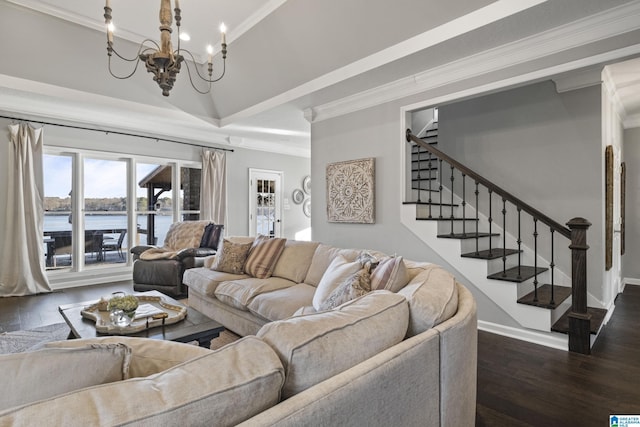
113 245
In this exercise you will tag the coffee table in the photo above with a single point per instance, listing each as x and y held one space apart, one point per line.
196 326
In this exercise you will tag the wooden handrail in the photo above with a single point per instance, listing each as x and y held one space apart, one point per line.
566 232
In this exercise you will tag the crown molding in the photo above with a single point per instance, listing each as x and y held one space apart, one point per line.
588 30
631 122
461 25
98 25
578 80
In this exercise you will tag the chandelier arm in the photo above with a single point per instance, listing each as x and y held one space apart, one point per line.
141 49
123 77
191 80
193 59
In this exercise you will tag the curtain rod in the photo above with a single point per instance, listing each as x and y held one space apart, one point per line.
117 133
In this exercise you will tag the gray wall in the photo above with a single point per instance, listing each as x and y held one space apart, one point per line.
238 164
630 266
543 146
375 132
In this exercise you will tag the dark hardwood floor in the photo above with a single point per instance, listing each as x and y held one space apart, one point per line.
519 384
29 312
523 384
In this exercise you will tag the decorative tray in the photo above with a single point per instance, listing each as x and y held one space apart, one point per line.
174 313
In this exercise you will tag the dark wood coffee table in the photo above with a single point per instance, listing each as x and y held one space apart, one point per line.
196 326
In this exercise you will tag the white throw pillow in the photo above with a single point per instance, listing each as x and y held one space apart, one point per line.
338 271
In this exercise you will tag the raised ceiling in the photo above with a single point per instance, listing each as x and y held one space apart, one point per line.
287 57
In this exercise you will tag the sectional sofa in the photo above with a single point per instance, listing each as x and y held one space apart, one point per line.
403 354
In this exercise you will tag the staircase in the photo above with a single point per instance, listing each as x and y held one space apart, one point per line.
512 259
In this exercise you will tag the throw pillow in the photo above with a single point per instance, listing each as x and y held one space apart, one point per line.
391 274
368 261
355 286
263 256
338 271
232 257
211 236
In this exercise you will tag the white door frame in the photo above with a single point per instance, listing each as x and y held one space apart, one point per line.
262 174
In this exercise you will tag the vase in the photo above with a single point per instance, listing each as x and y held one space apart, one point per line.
121 318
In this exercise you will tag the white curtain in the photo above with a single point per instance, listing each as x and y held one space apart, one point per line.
22 270
213 190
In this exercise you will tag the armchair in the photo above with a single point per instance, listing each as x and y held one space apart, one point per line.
186 245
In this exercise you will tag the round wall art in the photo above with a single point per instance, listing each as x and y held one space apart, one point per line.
297 196
306 184
306 208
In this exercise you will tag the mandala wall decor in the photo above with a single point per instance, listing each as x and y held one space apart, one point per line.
351 191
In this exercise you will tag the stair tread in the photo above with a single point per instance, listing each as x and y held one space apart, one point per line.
597 317
560 293
466 235
494 253
444 218
525 272
431 203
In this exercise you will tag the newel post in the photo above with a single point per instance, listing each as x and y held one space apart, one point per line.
579 318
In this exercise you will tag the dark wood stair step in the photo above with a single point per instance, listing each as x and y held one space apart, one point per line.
466 235
444 218
597 317
518 275
560 293
494 253
447 205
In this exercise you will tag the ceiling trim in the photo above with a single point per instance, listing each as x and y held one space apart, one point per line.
588 30
632 122
98 25
461 25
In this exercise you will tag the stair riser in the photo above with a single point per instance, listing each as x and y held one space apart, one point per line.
468 226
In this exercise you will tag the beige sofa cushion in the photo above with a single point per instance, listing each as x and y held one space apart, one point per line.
337 273
295 260
41 374
433 298
263 255
318 346
205 280
322 257
239 293
223 387
283 303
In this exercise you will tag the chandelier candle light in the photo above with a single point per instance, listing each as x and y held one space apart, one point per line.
161 60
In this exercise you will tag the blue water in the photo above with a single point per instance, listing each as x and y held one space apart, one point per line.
103 222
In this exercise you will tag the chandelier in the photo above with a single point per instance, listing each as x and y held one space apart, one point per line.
160 59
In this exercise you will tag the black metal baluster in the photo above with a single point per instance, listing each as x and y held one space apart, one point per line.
519 244
552 266
440 185
419 175
535 260
504 237
490 223
430 185
451 209
477 217
464 204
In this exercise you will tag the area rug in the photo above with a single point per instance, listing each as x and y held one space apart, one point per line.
225 337
19 341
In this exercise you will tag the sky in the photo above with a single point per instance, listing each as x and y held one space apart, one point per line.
103 178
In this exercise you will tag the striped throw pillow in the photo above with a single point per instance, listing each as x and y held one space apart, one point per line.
391 274
263 256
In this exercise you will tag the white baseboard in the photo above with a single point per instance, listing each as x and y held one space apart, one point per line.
551 339
630 281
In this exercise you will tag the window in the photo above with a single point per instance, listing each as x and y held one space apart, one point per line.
95 187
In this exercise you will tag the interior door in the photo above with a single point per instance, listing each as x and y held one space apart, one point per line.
265 202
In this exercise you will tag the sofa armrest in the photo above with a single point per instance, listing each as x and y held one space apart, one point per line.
137 250
195 253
